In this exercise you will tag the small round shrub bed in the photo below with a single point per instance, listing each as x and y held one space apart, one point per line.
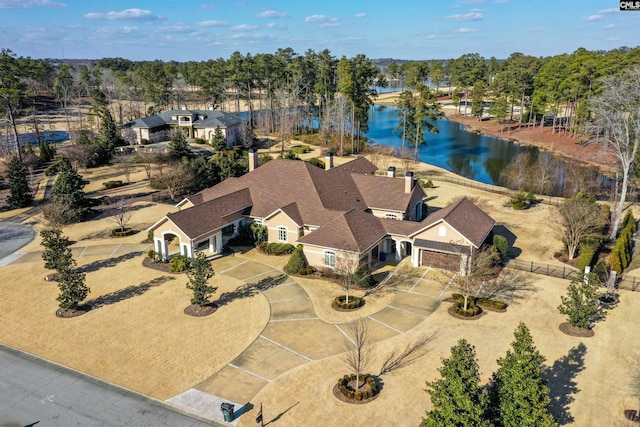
471 313
340 303
67 314
347 390
200 311
122 233
576 332
112 184
276 248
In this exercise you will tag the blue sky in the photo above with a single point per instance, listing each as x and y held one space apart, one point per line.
404 29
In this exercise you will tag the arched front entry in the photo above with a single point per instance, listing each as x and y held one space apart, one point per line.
170 244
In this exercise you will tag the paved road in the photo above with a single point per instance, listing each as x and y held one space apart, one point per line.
12 237
37 393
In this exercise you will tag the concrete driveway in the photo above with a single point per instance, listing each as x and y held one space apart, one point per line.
13 236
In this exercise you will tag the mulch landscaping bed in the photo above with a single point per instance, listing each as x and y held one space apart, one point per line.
68 314
342 397
160 266
576 332
632 415
197 311
452 312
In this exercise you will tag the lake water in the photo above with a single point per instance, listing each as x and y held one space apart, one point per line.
478 157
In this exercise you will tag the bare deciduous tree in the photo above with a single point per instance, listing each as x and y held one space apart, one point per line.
515 175
577 218
346 268
147 160
176 177
481 277
543 174
125 164
120 210
617 126
80 155
359 350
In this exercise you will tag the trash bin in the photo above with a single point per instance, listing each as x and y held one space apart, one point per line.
383 256
227 411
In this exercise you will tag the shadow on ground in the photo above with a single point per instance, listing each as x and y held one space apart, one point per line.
128 292
250 289
561 379
109 262
281 414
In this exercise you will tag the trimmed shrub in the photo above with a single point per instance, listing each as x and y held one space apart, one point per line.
472 309
316 162
150 235
112 184
522 200
341 302
615 260
199 141
502 245
179 263
491 304
151 254
587 254
122 233
276 248
346 391
297 262
300 149
629 222
145 141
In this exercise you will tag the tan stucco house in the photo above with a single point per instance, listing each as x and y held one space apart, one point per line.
342 212
193 123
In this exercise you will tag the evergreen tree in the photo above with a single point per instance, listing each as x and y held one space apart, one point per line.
21 195
581 304
57 256
457 398
199 274
178 147
219 141
109 137
519 395
68 194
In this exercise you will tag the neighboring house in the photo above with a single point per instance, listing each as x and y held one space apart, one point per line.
193 123
343 212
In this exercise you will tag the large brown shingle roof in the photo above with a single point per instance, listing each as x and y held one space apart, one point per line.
468 219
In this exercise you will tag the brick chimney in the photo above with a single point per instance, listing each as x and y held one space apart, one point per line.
391 172
328 160
408 182
253 159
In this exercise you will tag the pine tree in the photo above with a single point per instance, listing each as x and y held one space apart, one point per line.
219 141
519 395
581 304
457 398
21 195
199 274
68 194
178 147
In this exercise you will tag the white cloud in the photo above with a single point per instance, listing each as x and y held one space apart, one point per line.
127 14
608 27
600 14
323 20
474 15
28 4
464 30
354 39
432 36
251 36
212 24
595 17
177 28
243 27
361 15
274 26
272 14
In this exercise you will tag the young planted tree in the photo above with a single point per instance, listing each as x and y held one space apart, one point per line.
199 275
56 254
480 279
120 210
578 218
359 349
617 122
518 394
457 398
581 304
21 195
345 268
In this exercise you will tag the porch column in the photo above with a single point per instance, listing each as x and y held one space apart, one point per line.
161 248
398 250
213 246
187 249
415 257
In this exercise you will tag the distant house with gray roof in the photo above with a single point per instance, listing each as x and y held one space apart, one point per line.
193 123
345 212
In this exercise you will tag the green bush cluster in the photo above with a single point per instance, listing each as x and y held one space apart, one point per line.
297 261
343 387
112 184
522 200
354 302
54 168
491 304
621 253
316 162
276 248
145 141
502 245
426 183
153 255
472 309
199 141
179 263
122 233
306 271
363 278
587 254
300 149
157 184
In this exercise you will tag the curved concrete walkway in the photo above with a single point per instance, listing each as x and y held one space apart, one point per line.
295 335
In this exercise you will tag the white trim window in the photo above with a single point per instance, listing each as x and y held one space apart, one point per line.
390 216
442 231
282 234
330 259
